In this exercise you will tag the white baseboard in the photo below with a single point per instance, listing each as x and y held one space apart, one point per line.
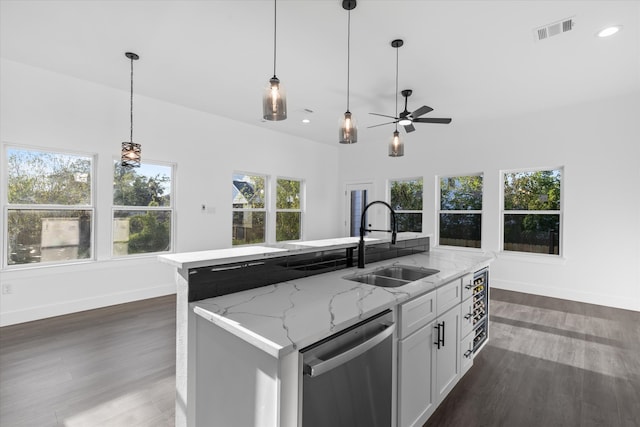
568 294
74 306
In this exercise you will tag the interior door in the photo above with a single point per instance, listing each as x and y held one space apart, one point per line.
356 198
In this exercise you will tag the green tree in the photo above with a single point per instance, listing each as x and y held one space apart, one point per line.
407 196
288 197
133 189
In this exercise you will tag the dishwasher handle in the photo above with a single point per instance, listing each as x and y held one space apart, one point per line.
314 366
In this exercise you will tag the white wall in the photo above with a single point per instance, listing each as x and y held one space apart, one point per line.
599 146
44 109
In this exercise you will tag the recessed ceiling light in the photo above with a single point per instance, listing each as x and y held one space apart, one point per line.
306 121
609 31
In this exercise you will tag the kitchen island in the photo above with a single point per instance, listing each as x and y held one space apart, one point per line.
237 354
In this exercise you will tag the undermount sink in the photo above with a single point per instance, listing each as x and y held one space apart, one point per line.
394 275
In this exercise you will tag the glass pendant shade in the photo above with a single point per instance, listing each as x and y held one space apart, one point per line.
131 154
274 101
348 133
396 147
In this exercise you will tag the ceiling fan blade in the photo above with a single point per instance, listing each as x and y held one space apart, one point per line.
422 110
384 115
381 124
409 128
432 120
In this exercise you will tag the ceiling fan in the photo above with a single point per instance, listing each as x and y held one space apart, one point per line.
407 119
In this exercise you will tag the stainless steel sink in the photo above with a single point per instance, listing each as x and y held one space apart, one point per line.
394 275
373 279
405 272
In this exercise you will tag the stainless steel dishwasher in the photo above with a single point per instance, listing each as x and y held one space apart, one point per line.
347 378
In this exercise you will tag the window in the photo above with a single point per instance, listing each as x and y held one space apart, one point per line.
49 206
143 209
406 201
532 213
249 209
460 213
288 209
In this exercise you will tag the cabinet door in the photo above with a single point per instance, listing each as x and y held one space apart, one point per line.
447 359
448 296
467 286
417 313
466 319
415 389
466 354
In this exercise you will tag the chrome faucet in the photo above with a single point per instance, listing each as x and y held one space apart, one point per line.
393 231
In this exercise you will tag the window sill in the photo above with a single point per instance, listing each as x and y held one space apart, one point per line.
532 258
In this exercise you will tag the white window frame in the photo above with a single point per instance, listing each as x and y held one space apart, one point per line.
171 208
439 211
6 207
266 209
406 211
560 212
301 210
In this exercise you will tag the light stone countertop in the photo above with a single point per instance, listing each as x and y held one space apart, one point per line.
291 315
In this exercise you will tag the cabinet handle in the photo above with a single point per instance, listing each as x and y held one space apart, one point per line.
437 342
468 316
468 353
469 286
443 333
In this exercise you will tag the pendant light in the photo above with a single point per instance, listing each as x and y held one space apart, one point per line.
348 133
131 152
396 146
274 100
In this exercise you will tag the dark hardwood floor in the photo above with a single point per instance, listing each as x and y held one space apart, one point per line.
549 362
113 366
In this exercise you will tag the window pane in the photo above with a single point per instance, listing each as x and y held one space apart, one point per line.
461 193
248 227
460 230
288 225
48 235
139 232
409 222
406 195
37 177
248 191
534 190
532 233
148 185
288 194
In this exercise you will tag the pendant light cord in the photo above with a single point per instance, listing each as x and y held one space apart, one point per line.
397 53
131 104
348 54
275 23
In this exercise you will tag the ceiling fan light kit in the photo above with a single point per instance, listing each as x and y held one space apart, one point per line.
274 100
348 132
131 153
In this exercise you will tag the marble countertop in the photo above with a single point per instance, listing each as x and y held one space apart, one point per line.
291 315
249 253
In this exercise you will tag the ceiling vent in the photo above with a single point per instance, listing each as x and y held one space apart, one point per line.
554 29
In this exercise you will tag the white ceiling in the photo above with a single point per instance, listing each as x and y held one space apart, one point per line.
469 60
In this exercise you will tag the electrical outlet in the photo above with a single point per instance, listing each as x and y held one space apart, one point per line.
7 289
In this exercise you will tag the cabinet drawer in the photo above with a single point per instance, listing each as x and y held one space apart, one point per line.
417 313
467 286
448 296
466 317
466 354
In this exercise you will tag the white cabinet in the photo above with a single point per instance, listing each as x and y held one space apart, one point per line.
428 362
416 394
445 350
